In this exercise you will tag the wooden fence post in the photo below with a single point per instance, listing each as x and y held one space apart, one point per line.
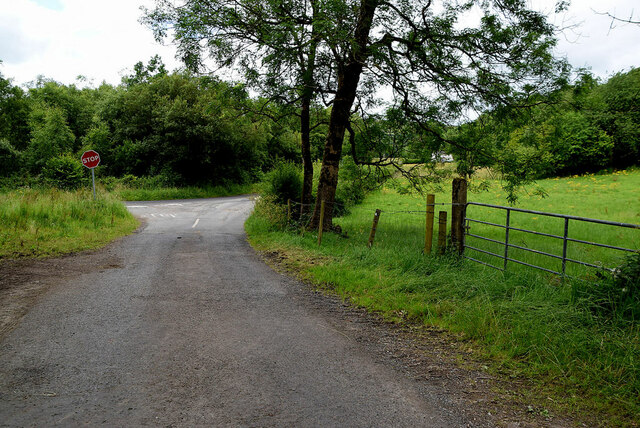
442 232
428 235
458 213
374 227
321 225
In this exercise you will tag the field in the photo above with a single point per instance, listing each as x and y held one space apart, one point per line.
613 197
529 324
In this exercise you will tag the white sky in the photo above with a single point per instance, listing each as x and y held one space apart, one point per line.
102 39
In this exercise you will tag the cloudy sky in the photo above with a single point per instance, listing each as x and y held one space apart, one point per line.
101 40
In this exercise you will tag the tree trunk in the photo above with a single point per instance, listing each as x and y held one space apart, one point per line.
307 164
305 115
348 79
347 84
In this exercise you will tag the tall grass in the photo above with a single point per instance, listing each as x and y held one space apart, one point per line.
47 222
155 188
188 192
528 323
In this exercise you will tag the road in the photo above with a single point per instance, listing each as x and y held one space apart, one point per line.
186 326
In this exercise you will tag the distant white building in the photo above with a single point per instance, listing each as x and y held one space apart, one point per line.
442 157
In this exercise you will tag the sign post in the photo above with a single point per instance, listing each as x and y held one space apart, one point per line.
91 159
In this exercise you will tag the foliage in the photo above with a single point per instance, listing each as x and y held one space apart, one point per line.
50 136
186 130
190 129
616 295
353 185
75 105
585 127
64 172
616 110
284 182
143 74
9 158
14 114
271 213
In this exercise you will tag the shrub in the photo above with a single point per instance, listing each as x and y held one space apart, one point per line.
352 186
274 214
9 158
616 294
284 182
130 180
64 172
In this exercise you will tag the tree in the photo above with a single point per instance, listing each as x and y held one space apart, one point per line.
50 136
184 129
14 115
274 43
143 74
76 105
438 69
616 106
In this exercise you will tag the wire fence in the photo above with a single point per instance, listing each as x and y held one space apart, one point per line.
499 243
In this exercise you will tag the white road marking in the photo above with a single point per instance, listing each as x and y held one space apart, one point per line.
172 205
173 215
138 206
196 223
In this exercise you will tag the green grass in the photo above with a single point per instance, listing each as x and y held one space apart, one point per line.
527 323
612 197
49 222
40 222
189 192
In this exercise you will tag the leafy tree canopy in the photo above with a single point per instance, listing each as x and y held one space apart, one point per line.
442 59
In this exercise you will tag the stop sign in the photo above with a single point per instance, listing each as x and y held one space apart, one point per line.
90 159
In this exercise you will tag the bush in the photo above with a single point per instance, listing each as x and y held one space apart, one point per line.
275 215
284 182
9 158
616 294
352 187
64 172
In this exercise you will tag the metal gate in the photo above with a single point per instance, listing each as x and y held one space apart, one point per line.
507 245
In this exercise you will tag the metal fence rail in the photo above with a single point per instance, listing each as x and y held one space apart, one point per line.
565 239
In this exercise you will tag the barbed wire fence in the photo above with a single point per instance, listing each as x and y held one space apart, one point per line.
302 218
460 226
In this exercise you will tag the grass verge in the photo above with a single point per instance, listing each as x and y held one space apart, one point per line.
528 324
50 222
169 193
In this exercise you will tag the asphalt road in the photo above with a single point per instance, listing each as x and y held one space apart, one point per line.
188 327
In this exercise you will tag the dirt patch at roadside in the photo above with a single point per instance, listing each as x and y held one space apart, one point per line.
23 281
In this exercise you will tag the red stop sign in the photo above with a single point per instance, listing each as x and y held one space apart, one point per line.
90 159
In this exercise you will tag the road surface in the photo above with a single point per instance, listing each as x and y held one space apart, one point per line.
186 326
